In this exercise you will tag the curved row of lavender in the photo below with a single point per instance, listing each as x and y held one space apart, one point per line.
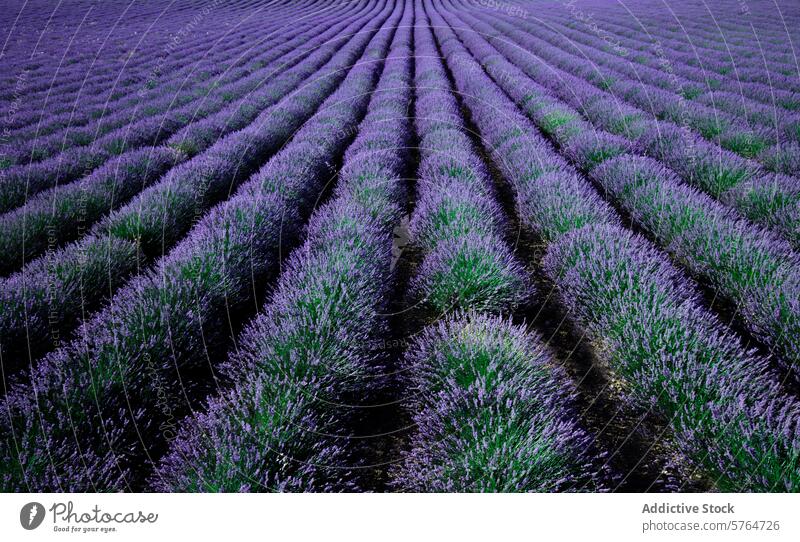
101 409
97 81
729 412
756 270
239 47
49 218
137 48
228 109
722 71
491 408
750 130
212 69
772 199
698 85
665 94
44 302
309 364
102 62
735 59
40 40
754 61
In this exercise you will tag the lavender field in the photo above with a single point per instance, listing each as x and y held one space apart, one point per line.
400 246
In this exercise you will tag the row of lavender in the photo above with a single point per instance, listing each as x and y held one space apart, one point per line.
764 132
753 119
197 70
76 120
307 366
727 46
311 361
740 67
724 52
36 33
770 199
101 61
773 200
491 409
746 264
100 409
748 80
134 52
728 410
223 110
50 218
43 302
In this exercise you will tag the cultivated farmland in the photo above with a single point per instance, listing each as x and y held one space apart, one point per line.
400 245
